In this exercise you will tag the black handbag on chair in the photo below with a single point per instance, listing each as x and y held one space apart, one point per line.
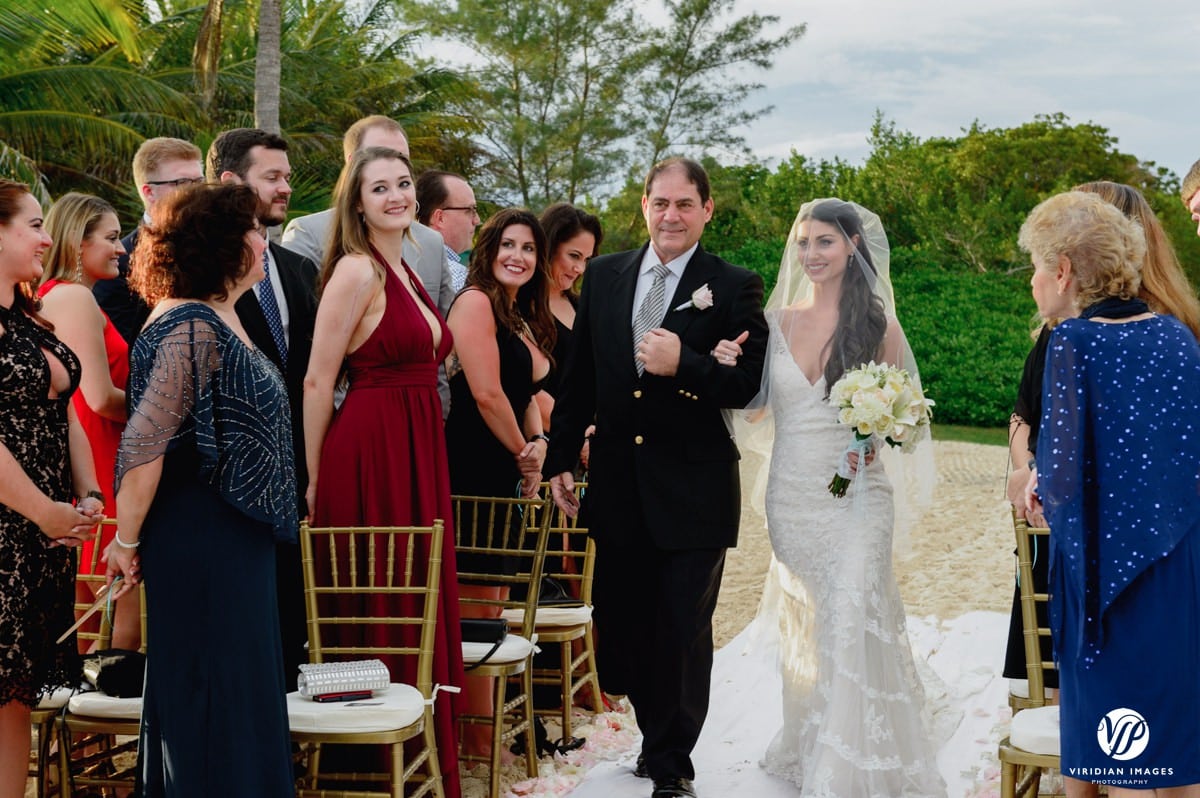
484 630
116 671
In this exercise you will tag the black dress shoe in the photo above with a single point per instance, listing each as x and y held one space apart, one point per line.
640 769
673 787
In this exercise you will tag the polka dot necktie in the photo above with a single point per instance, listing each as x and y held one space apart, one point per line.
270 309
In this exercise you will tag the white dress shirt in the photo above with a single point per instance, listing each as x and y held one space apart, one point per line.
646 278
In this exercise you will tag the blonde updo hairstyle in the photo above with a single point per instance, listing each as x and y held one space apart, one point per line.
1106 248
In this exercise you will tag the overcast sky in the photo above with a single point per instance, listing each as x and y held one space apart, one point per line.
934 67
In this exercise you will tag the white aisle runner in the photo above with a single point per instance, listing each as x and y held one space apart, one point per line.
966 653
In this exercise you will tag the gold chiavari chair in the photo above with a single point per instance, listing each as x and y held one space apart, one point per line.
569 564
97 733
400 566
97 635
1033 742
501 547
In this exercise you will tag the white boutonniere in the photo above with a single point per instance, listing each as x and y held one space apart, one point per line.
702 299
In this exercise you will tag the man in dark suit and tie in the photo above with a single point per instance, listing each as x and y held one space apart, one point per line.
663 500
278 316
160 166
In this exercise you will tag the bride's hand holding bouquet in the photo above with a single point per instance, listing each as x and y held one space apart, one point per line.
877 399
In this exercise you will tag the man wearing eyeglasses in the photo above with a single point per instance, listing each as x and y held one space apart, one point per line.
446 203
160 166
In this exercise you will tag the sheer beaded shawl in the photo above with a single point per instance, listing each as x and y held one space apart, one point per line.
194 382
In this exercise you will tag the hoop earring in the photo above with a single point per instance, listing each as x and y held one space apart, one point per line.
417 212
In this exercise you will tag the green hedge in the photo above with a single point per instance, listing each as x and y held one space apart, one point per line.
970 333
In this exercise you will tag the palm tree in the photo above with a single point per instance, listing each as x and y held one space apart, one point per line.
82 87
72 107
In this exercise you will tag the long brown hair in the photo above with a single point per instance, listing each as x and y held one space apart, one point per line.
1164 287
24 297
562 222
862 321
348 235
533 299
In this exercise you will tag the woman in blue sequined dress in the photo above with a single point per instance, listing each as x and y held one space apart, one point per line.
1118 470
206 488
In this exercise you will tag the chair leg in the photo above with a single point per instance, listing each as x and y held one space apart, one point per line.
593 675
1008 780
497 731
44 732
531 751
64 760
566 677
433 765
396 782
313 770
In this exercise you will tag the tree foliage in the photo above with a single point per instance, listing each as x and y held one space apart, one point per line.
549 87
571 97
690 78
82 84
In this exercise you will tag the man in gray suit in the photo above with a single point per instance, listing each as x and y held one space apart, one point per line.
424 252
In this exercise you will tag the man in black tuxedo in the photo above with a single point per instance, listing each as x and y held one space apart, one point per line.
160 166
281 325
663 499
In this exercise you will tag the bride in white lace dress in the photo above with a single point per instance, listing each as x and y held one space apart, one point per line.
853 709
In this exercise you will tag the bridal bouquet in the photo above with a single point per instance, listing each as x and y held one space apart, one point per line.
877 399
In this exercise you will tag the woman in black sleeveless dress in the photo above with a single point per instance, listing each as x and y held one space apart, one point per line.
44 463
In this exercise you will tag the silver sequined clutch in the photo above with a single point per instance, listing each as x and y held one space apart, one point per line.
342 677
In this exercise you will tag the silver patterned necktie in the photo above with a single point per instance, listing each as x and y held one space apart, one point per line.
650 314
270 309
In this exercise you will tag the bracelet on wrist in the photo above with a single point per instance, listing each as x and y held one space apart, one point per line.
123 544
541 436
93 494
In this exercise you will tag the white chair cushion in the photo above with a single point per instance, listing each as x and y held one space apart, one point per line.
1018 688
101 705
57 699
398 706
1036 730
551 616
514 649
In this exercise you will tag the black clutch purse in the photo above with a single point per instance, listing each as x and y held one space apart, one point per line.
116 672
484 630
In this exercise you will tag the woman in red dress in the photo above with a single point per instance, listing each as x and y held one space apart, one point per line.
87 243
380 458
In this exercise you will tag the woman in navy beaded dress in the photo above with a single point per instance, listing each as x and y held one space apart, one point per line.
1118 470
205 478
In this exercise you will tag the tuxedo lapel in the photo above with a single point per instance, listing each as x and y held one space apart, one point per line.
701 269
